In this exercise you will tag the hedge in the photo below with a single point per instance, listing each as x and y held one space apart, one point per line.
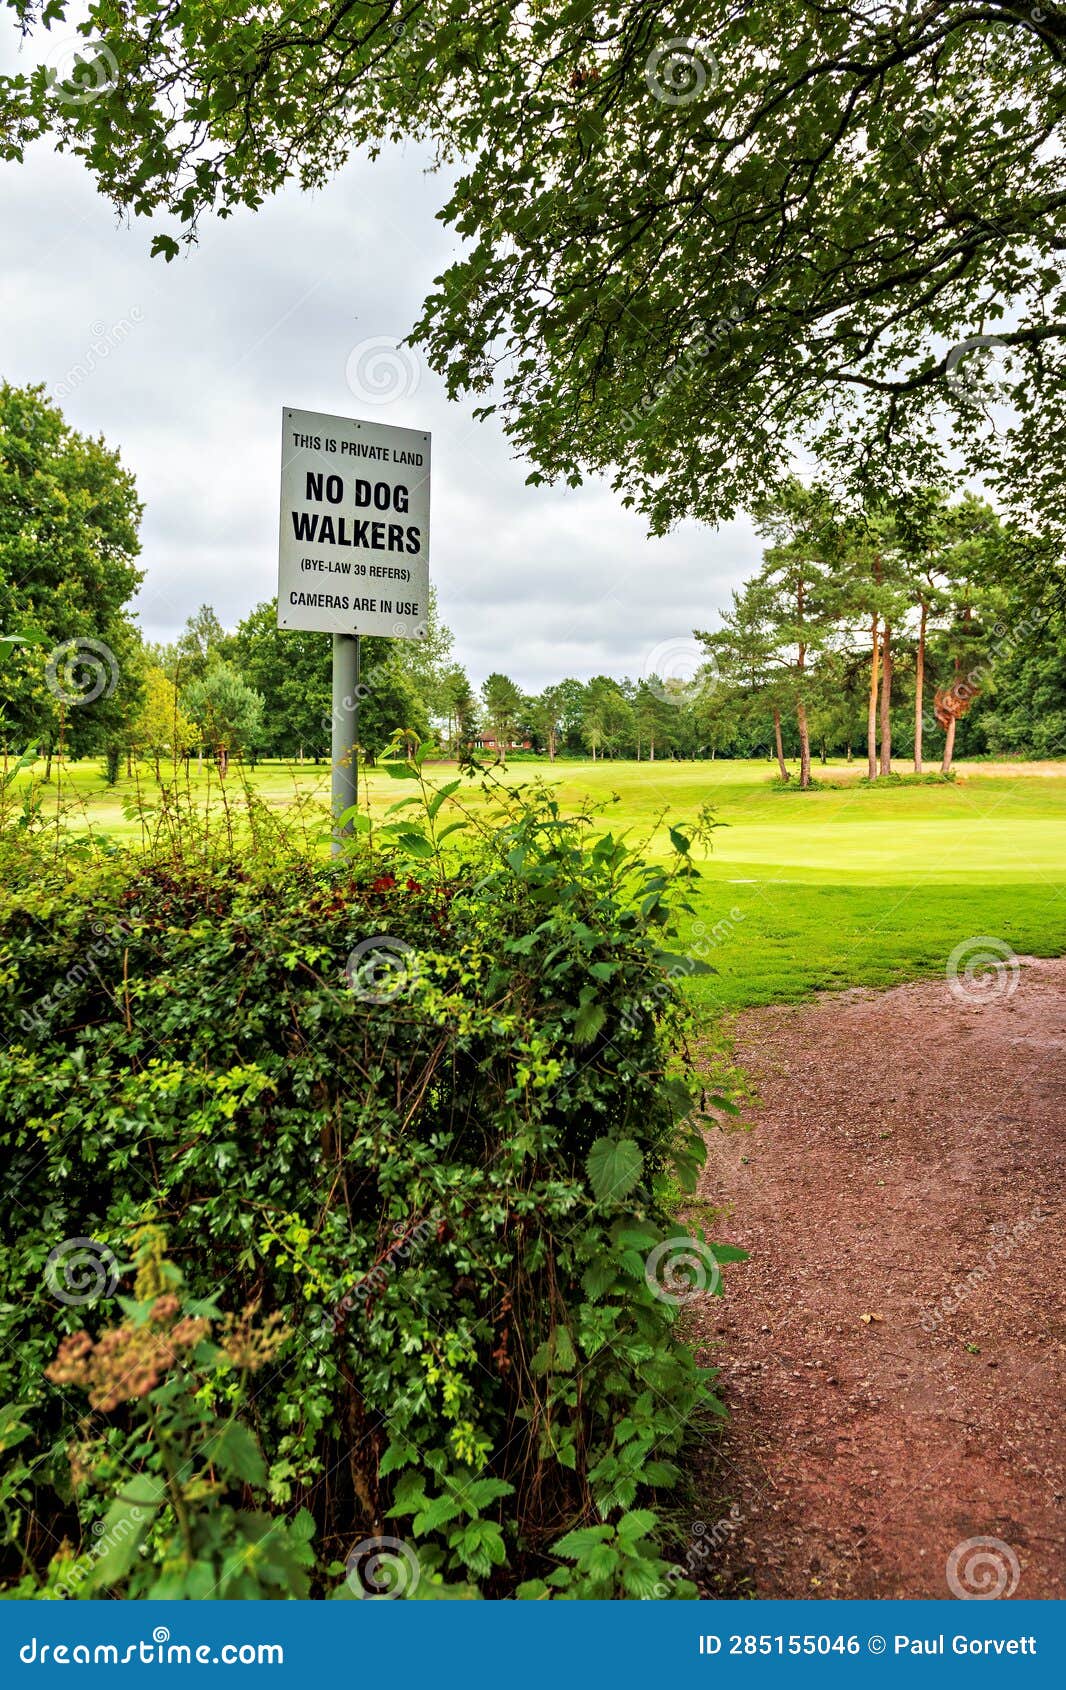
390 1144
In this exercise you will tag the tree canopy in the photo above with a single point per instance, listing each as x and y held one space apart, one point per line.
69 517
699 240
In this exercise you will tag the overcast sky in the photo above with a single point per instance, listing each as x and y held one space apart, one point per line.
185 367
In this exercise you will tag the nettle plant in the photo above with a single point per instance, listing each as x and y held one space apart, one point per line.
177 1470
425 1109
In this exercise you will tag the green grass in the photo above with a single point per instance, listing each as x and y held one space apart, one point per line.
847 886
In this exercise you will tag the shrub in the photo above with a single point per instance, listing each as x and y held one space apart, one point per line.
416 1104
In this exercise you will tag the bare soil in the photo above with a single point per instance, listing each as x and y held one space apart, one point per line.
892 1353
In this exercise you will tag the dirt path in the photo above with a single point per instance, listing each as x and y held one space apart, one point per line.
902 1142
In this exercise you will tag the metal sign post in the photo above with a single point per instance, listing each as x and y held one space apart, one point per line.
344 750
353 556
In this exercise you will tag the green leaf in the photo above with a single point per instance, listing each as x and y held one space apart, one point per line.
12 1429
589 1018
636 1524
398 1454
729 1253
641 1578
480 1491
679 966
614 1167
533 1590
440 797
235 1453
428 1590
415 844
354 817
604 970
125 1527
724 1103
599 1277
577 1544
303 1527
563 1357
199 1582
410 1494
481 1546
662 1473
436 1514
601 1561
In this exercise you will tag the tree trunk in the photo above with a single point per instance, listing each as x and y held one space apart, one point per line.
805 745
919 690
871 712
886 702
651 750
801 707
847 751
949 747
778 746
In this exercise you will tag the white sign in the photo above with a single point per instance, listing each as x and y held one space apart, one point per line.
353 556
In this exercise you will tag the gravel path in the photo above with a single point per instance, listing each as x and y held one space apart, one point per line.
892 1354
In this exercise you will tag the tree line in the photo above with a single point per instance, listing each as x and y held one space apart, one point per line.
912 621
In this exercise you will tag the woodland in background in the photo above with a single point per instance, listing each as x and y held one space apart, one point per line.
916 627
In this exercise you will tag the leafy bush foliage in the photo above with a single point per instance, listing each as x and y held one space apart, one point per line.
184 1453
416 1108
